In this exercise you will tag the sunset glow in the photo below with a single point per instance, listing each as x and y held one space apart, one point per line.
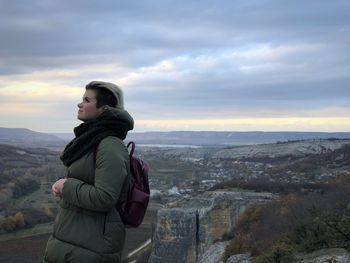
262 66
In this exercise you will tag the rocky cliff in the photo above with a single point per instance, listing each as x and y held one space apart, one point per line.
188 228
330 255
295 148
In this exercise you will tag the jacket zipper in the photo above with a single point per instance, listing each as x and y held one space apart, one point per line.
104 223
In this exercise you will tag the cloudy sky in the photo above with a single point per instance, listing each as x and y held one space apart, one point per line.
223 65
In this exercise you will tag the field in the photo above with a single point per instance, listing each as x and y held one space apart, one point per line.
30 249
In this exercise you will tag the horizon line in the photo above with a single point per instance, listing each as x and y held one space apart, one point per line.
168 131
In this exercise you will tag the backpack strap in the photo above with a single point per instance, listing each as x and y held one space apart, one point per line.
132 148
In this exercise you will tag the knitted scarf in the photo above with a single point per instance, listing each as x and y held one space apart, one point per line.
89 134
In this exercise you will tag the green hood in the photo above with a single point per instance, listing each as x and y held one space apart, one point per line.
118 114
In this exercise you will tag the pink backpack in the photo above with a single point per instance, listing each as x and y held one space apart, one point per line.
136 204
138 195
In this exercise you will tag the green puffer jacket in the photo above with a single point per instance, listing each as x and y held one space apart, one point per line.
88 228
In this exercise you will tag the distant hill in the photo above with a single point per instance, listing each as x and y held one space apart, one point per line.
228 138
28 138
66 136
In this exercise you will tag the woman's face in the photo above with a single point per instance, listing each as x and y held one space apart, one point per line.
87 108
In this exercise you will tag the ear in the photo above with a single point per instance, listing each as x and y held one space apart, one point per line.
102 109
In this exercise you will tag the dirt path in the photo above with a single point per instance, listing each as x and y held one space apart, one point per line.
31 249
24 250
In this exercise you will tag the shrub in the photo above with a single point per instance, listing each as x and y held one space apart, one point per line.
310 235
24 185
9 224
48 212
19 219
279 253
240 245
298 221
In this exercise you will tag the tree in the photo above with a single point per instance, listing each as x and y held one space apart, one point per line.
19 219
9 224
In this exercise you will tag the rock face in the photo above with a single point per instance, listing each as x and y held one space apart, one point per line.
333 255
241 258
213 253
186 230
297 148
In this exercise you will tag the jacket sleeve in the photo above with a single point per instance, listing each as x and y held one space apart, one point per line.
111 169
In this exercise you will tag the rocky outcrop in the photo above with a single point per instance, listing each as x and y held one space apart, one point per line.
186 230
297 148
333 255
272 150
213 253
241 258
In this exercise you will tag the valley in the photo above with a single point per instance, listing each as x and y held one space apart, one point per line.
176 173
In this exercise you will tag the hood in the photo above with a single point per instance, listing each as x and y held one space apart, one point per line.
119 114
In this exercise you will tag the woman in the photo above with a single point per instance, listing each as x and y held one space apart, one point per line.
88 228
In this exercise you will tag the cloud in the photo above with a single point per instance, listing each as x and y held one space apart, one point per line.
249 59
249 124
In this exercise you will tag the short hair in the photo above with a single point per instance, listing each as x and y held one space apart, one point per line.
103 96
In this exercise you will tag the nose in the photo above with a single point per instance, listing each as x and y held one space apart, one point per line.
79 105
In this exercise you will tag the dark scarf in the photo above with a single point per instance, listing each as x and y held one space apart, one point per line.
89 134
